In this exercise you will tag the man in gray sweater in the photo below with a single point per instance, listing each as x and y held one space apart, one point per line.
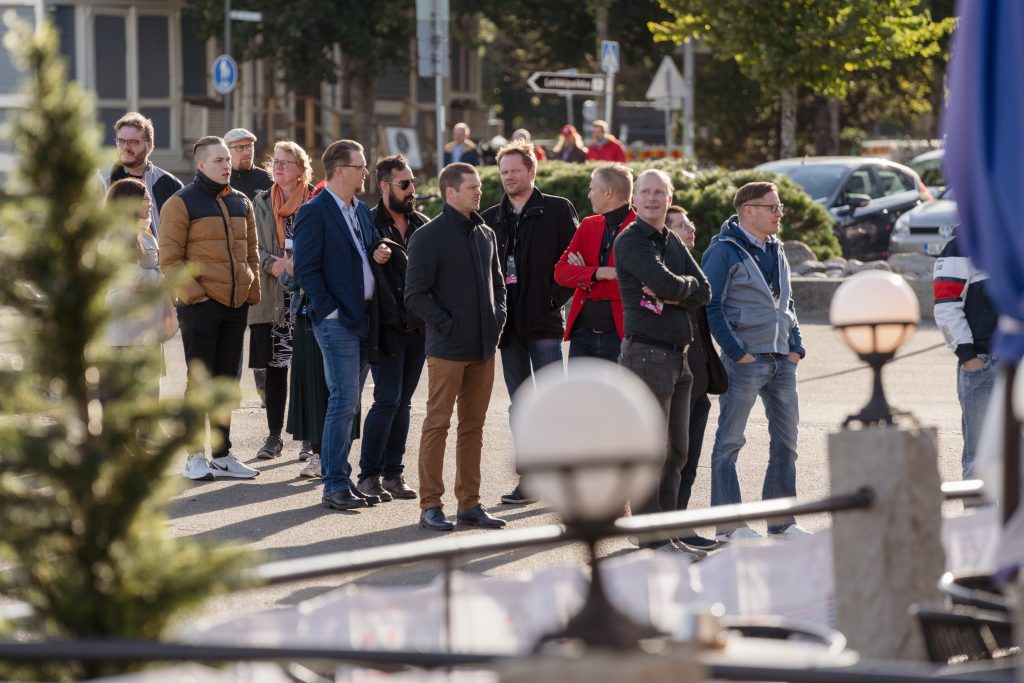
454 283
660 283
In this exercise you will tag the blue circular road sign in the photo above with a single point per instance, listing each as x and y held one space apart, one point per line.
224 73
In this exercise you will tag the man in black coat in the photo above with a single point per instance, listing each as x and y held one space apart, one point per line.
533 231
395 374
454 283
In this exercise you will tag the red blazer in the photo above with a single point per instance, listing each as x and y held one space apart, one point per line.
587 241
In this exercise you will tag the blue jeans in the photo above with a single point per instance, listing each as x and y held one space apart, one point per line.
773 378
345 369
387 422
974 389
589 344
521 358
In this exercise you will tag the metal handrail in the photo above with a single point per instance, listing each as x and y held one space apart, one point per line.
126 650
664 523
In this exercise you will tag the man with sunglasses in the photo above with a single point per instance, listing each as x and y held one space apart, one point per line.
753 318
396 375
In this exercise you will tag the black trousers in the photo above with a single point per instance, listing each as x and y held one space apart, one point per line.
213 334
700 409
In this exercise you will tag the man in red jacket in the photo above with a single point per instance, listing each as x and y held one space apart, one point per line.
605 146
594 327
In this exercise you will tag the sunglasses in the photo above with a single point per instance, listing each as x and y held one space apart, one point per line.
404 184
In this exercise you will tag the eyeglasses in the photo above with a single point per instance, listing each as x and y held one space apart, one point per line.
404 184
281 163
363 167
776 208
242 148
121 142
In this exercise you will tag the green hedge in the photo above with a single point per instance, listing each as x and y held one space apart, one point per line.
706 195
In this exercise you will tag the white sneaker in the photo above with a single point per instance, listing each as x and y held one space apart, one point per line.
740 533
230 466
312 468
792 531
197 468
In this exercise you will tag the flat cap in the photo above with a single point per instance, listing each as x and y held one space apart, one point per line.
236 134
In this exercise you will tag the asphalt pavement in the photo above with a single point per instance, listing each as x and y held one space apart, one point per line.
278 515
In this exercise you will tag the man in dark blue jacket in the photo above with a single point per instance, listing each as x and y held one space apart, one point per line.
454 283
333 233
753 318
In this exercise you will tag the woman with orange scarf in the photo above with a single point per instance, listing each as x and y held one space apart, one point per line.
270 322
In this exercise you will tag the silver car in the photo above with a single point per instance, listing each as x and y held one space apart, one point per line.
926 228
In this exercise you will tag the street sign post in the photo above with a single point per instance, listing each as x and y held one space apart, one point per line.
565 84
432 19
610 65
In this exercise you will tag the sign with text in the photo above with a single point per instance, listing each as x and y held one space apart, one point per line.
563 84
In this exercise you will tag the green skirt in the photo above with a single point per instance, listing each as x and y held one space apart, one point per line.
307 391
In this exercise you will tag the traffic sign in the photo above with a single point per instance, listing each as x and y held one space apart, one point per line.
564 84
668 83
610 56
224 74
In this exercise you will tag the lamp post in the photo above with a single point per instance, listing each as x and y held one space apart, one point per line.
588 439
875 313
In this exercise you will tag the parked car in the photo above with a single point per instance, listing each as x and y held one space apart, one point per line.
926 228
928 167
864 195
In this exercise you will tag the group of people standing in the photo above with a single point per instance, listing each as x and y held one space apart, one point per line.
334 290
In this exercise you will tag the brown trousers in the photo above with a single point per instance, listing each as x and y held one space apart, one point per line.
469 384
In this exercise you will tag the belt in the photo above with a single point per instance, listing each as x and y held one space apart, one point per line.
641 339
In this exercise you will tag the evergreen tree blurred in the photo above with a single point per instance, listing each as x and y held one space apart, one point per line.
83 482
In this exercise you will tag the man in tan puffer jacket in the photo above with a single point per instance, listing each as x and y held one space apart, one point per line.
208 251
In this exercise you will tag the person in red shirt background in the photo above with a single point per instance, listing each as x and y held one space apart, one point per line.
605 146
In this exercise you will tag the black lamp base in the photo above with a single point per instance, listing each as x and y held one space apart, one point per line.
877 411
598 623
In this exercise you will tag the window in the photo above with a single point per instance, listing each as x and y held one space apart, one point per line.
895 182
859 182
131 65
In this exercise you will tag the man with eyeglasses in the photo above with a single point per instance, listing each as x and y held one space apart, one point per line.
246 177
396 374
250 180
753 318
334 238
133 135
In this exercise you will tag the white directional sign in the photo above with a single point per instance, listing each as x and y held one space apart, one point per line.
610 56
246 15
224 74
668 83
562 84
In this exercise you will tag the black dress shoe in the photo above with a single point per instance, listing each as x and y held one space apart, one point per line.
479 517
398 488
369 499
371 487
434 519
343 500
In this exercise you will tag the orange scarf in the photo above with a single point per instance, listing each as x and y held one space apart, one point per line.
283 209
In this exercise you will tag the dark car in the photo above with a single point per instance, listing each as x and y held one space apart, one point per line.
864 195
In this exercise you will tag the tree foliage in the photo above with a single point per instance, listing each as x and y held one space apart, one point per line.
824 45
84 443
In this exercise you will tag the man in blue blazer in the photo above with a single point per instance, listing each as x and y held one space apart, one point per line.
332 265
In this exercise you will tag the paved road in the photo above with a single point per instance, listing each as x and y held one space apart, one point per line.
279 514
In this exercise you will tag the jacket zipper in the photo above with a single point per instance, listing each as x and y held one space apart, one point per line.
227 235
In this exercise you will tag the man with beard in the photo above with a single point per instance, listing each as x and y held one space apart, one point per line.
249 180
394 376
533 231
133 135
208 249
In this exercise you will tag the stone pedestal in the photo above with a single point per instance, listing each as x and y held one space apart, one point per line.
678 665
890 556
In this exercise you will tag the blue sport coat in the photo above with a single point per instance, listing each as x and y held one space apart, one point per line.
328 265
